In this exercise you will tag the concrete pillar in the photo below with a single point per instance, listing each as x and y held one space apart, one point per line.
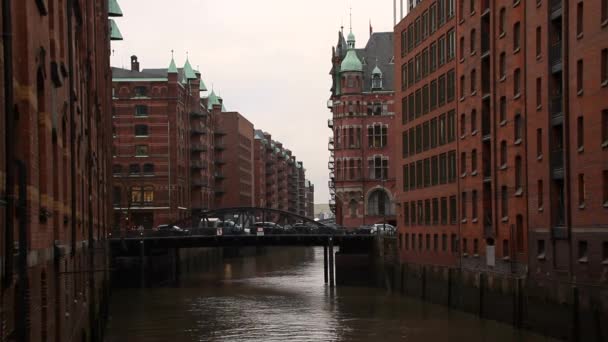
331 262
325 264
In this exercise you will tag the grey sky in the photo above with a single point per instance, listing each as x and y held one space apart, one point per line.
269 59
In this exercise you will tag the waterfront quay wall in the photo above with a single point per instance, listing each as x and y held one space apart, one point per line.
567 311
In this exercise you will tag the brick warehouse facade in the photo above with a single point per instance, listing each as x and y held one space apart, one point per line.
528 145
362 183
281 183
55 168
163 145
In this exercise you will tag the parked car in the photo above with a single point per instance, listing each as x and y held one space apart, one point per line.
171 230
383 229
363 230
268 228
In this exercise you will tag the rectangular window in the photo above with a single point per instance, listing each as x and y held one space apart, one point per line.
427 172
412 142
473 122
418 67
463 163
451 45
420 213
474 162
581 190
582 250
141 110
418 103
580 133
451 85
473 43
474 205
404 76
503 109
473 81
463 206
579 19
412 176
604 67
605 188
434 170
406 213
444 210
443 168
433 57
502 18
425 62
413 213
427 212
419 174
540 194
502 66
538 41
441 90
605 252
462 49
140 91
540 249
441 50
539 143
433 132
404 142
433 92
539 91
452 166
605 128
425 23
411 107
579 76
518 128
406 177
517 83
425 136
518 175
418 139
141 151
440 12
516 36
425 99
453 214
442 129
404 117
604 11
141 130
451 126
435 211
444 242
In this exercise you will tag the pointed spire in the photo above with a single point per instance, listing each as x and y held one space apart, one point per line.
351 36
188 71
172 67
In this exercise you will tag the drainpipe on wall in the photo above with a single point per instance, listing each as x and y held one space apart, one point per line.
70 12
9 139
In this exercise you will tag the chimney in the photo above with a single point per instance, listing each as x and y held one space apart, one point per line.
134 63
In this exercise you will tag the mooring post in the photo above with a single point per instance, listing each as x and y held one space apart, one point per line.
142 260
331 262
325 262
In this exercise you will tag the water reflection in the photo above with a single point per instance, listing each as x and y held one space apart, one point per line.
280 296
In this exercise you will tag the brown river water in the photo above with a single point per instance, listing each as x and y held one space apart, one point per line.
280 296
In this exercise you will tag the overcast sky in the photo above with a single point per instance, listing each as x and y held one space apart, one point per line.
269 59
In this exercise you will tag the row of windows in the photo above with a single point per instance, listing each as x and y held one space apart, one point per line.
351 169
436 170
426 24
418 243
134 169
138 195
359 108
350 137
430 211
433 133
428 60
582 191
603 72
429 97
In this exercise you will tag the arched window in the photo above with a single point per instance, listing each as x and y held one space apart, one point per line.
378 203
136 192
148 195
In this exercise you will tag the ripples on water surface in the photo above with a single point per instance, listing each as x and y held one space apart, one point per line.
280 296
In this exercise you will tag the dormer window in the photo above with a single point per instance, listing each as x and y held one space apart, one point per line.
377 81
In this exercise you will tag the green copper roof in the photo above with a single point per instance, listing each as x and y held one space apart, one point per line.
351 62
212 100
351 37
172 67
188 71
114 9
114 31
202 87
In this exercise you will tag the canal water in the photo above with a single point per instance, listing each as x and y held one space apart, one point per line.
279 295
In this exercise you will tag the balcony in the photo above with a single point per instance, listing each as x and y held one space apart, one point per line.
330 123
485 42
330 144
555 56
197 165
198 131
486 127
198 115
557 106
198 148
200 184
557 163
556 7
487 170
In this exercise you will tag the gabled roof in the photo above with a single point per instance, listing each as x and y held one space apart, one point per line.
188 71
114 9
380 46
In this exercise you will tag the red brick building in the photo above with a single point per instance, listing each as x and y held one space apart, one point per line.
362 183
280 181
234 160
567 138
525 144
55 168
162 141
310 200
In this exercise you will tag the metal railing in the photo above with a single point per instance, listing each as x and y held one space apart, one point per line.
557 159
555 53
557 105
